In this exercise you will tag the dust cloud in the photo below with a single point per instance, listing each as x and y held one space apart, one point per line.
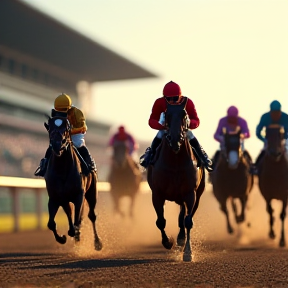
124 235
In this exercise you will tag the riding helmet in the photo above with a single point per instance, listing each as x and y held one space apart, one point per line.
62 103
232 111
171 89
275 106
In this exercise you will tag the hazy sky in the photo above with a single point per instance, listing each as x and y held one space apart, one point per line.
221 53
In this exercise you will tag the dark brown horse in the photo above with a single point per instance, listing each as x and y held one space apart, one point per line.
67 184
231 178
125 176
175 177
273 176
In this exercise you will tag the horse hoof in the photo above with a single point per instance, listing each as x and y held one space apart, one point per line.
169 243
187 257
61 239
98 245
230 230
282 243
71 233
180 242
272 235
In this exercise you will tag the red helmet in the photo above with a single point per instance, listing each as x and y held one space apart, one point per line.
171 89
121 128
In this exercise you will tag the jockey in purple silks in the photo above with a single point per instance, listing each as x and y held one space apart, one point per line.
231 122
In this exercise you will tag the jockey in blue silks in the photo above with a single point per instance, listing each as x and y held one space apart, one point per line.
274 116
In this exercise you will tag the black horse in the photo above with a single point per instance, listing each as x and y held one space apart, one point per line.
231 178
175 177
273 176
67 184
124 178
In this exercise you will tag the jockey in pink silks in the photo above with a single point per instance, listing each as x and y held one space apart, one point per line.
123 135
231 122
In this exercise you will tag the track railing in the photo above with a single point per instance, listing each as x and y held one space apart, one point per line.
15 184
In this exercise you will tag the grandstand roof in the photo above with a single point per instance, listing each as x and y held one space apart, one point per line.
25 29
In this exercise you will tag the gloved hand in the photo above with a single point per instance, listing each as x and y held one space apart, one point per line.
162 119
187 121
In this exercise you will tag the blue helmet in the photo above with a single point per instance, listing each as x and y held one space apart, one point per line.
275 106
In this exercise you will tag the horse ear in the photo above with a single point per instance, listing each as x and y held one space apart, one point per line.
46 126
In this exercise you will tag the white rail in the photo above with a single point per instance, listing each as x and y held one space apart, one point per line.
15 184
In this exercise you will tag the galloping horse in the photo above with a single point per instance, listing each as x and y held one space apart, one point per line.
125 176
273 176
67 184
231 178
175 177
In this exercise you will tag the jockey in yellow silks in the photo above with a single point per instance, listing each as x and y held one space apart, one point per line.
63 103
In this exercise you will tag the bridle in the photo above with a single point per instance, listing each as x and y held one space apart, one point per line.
175 136
59 131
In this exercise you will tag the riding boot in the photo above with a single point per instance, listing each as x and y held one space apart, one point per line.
202 154
150 152
83 150
90 162
41 169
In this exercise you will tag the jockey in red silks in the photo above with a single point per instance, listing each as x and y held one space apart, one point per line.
123 135
172 94
231 121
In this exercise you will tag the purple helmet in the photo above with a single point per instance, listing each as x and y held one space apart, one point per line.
232 111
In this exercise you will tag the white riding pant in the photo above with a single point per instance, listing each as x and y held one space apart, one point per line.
78 140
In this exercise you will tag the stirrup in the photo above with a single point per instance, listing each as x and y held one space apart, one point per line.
145 158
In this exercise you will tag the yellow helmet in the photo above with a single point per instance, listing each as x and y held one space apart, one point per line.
62 103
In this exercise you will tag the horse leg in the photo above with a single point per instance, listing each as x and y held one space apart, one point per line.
116 201
181 235
271 219
132 201
190 202
53 208
282 242
167 242
78 215
241 217
91 197
223 207
68 211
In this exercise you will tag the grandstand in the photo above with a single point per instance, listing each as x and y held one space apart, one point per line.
39 59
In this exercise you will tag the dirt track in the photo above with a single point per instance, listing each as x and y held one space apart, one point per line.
134 257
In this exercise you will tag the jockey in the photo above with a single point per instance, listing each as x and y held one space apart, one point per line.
231 121
77 121
123 135
274 116
172 94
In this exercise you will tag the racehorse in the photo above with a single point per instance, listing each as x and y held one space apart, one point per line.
125 176
231 178
175 177
66 183
273 176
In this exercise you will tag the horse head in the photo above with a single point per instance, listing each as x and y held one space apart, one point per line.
176 122
275 142
232 146
120 151
58 128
